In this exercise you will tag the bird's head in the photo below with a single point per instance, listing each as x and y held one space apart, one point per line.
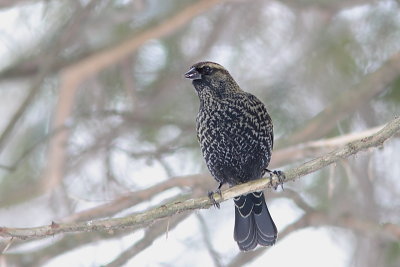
212 78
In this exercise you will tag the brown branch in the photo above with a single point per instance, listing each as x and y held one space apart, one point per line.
47 62
349 101
95 63
173 208
74 75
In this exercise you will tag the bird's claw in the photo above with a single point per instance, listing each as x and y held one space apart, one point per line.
211 197
280 175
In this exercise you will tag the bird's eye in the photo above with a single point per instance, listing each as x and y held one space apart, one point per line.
207 70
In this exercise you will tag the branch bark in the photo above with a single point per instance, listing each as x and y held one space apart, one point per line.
172 208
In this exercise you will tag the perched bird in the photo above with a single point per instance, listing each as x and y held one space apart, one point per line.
236 138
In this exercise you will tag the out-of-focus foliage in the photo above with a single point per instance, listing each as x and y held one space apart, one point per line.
131 124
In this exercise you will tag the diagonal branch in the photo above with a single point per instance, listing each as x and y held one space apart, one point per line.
312 149
134 198
346 103
154 232
317 218
72 76
172 208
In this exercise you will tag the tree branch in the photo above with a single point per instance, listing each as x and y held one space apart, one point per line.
347 102
208 242
134 198
315 218
173 208
312 149
154 232
73 75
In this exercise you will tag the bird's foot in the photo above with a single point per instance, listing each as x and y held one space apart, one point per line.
280 175
211 197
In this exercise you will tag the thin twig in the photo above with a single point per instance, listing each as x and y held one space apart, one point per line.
207 240
151 234
296 198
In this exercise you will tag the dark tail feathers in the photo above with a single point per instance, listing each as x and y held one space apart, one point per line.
253 223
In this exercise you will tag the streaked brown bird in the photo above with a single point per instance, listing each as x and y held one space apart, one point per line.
236 138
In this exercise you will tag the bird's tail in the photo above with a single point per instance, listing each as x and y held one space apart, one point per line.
253 223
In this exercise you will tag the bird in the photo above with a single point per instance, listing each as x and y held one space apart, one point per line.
235 133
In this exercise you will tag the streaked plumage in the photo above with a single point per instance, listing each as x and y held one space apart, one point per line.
236 138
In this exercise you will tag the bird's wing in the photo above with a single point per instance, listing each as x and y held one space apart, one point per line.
265 121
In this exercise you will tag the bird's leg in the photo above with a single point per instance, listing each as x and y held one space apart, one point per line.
280 175
211 195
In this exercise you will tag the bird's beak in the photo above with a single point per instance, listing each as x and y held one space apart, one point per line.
193 74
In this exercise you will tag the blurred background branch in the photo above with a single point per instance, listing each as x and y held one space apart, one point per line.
346 103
